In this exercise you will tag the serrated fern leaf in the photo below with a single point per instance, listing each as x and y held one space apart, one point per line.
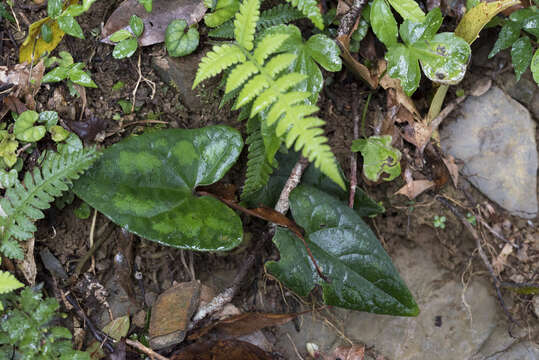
278 63
259 168
310 9
218 59
8 282
239 75
23 204
225 31
268 46
251 90
245 23
277 15
11 249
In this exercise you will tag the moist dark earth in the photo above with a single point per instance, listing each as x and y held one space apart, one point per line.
405 222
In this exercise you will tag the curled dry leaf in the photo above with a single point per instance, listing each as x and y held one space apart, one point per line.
413 187
156 22
25 79
453 169
355 66
222 350
388 82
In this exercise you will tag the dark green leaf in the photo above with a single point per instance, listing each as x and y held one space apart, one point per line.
136 25
535 66
444 58
81 77
55 75
325 52
146 184
54 8
408 9
527 19
224 11
509 33
125 48
46 33
49 118
403 64
362 275
148 4
70 26
4 13
411 32
521 55
383 23
177 41
74 10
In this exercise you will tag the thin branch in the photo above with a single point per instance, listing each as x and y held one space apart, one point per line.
152 354
349 20
283 205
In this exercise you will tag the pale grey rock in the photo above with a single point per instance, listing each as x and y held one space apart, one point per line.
520 351
470 317
494 136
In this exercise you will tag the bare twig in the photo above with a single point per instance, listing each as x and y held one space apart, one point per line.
90 252
283 205
349 20
353 155
480 250
91 241
152 354
141 77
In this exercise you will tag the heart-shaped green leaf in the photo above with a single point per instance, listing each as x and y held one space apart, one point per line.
136 25
444 58
179 42
125 48
403 64
146 184
379 157
24 128
58 133
49 118
361 273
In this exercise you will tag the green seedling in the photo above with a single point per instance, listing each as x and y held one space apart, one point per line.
127 39
67 69
471 218
439 222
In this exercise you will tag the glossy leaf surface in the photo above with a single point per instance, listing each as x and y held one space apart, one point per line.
125 48
179 42
521 55
383 23
24 128
146 184
70 26
403 64
361 273
408 9
509 33
535 66
412 31
379 157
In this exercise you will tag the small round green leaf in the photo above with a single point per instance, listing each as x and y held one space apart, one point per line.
125 48
120 35
379 157
136 25
24 129
444 58
70 145
146 184
177 41
58 133
83 211
49 118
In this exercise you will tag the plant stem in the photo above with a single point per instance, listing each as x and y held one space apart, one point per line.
364 116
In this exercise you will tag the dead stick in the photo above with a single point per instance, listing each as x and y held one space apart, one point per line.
152 354
350 18
283 205
482 254
353 155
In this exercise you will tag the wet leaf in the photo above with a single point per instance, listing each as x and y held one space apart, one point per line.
70 145
54 8
361 273
148 4
120 35
179 42
46 33
222 350
383 23
509 33
412 31
474 20
8 178
408 9
444 58
70 26
527 19
146 184
37 45
535 66
521 55
55 75
136 25
24 129
403 64
379 157
125 48
49 118
156 21
79 76
224 11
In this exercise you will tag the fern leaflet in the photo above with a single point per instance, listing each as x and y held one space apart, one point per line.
259 168
257 73
8 282
277 15
310 9
23 204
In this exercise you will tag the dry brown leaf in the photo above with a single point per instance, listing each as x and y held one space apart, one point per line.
156 22
453 169
387 82
28 265
355 66
354 352
501 260
415 188
222 350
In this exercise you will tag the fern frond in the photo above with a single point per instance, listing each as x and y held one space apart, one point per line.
23 204
218 59
278 63
259 168
11 249
8 282
310 9
277 15
245 23
252 89
239 75
279 86
268 46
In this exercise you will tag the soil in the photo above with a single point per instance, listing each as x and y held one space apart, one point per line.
405 221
